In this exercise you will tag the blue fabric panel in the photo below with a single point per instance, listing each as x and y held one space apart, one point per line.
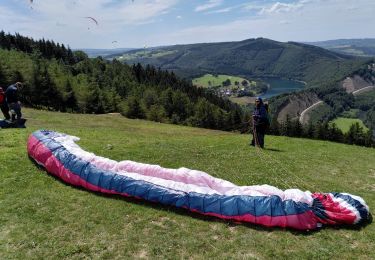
105 180
229 205
196 201
171 198
212 204
93 175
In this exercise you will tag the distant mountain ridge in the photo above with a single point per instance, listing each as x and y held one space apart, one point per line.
356 47
249 58
93 53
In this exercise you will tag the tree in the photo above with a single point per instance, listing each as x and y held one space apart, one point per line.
156 113
70 100
355 135
226 83
297 129
133 109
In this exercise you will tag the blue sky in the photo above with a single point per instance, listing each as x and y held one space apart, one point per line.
136 23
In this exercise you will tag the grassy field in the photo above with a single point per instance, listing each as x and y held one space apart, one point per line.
43 218
210 80
345 123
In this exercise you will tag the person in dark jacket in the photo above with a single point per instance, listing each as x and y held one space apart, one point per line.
260 122
4 105
13 101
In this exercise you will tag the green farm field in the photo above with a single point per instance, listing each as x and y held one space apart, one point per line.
209 80
345 123
44 218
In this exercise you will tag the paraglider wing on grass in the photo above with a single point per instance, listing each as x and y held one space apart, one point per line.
191 189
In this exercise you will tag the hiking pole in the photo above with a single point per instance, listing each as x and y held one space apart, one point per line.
255 135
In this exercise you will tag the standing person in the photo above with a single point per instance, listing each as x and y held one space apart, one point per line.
4 105
260 121
13 101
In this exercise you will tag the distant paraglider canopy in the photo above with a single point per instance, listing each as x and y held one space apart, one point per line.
92 19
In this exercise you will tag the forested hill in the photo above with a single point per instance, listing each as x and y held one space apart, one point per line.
56 78
250 58
356 47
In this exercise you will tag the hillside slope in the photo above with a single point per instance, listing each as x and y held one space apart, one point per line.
357 47
251 58
45 218
55 78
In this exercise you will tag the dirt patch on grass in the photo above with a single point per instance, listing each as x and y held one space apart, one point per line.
142 254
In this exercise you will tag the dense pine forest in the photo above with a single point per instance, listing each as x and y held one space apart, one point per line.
56 78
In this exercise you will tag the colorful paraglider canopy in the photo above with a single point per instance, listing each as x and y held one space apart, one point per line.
194 190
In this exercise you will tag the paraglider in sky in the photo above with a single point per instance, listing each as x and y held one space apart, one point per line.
114 41
92 19
193 190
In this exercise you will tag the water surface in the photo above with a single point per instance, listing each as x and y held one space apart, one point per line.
280 86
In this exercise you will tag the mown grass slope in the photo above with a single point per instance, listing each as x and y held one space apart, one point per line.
42 217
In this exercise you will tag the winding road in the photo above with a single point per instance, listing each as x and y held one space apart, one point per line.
359 91
356 92
301 117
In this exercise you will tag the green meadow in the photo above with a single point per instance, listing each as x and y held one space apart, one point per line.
44 218
209 80
345 123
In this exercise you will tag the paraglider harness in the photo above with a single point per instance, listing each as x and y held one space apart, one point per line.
7 123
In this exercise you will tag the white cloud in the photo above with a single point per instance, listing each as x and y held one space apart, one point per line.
64 21
219 11
305 20
209 5
135 23
281 7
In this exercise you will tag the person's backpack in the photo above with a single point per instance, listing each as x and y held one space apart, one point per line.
268 121
2 95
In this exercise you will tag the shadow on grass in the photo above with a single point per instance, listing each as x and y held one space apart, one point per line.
267 149
273 150
196 215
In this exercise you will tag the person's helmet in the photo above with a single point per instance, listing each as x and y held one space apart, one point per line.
259 99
